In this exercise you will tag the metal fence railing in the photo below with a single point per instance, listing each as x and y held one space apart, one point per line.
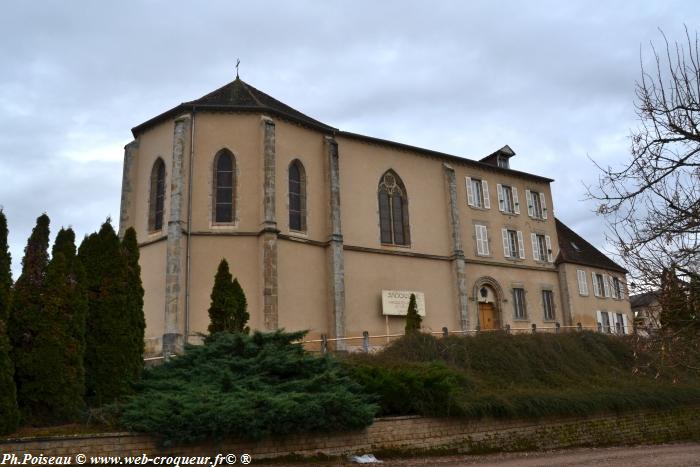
371 342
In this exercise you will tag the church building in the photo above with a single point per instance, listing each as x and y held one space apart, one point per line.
331 231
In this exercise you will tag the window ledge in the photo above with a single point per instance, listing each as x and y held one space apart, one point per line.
393 245
479 208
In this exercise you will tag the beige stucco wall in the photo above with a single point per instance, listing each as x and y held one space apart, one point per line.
152 262
584 307
302 265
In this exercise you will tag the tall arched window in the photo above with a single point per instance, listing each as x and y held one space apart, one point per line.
157 196
393 210
297 196
224 187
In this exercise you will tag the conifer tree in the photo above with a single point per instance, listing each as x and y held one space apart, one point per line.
9 412
240 312
694 300
108 371
26 322
674 304
62 343
413 319
134 304
223 301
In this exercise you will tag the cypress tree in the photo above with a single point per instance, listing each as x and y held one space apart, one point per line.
26 323
240 312
673 301
109 371
134 297
694 299
223 301
413 319
9 412
62 344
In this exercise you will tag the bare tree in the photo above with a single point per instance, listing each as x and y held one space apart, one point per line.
652 203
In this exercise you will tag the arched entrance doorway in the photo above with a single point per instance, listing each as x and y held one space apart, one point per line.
488 297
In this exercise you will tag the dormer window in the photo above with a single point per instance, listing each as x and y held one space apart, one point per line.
503 162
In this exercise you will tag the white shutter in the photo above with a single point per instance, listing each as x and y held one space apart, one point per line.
623 286
548 243
521 245
543 204
599 320
530 206
624 324
485 239
582 286
470 193
506 244
613 322
487 199
499 191
516 204
606 285
535 250
596 286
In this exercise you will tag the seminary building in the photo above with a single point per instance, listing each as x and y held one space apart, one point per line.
331 231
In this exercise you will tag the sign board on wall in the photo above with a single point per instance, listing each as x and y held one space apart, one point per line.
395 302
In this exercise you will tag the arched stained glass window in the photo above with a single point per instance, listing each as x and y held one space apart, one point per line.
157 196
393 210
224 187
297 196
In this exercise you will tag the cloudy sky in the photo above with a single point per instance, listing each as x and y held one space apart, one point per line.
554 80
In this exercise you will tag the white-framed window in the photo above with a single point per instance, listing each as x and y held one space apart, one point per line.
478 193
582 282
513 244
503 162
617 288
600 286
536 204
508 199
541 247
519 308
548 305
482 240
604 321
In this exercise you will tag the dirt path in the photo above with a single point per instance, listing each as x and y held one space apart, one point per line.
664 455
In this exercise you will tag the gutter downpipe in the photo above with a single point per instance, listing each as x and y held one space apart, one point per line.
189 230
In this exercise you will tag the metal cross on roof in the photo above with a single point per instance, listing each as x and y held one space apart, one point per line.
238 62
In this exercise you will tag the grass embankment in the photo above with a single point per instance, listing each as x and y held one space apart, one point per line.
514 376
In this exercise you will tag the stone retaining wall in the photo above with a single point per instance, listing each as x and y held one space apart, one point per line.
398 435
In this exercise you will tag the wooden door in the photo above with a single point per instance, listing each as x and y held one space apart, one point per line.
487 316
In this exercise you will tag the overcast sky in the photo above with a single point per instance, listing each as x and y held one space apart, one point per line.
554 80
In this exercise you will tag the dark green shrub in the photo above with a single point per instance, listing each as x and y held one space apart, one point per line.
228 309
246 386
506 376
413 319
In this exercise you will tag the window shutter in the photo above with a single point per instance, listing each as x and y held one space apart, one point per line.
624 324
613 322
606 285
622 289
485 239
543 203
499 191
521 245
581 276
506 244
530 206
535 250
470 193
487 199
516 204
550 253
480 239
596 286
599 321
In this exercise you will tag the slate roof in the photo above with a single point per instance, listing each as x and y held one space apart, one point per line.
574 249
238 96
643 299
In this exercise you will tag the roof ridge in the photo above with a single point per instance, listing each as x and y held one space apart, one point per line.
250 93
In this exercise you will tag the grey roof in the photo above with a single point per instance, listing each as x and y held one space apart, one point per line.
574 249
